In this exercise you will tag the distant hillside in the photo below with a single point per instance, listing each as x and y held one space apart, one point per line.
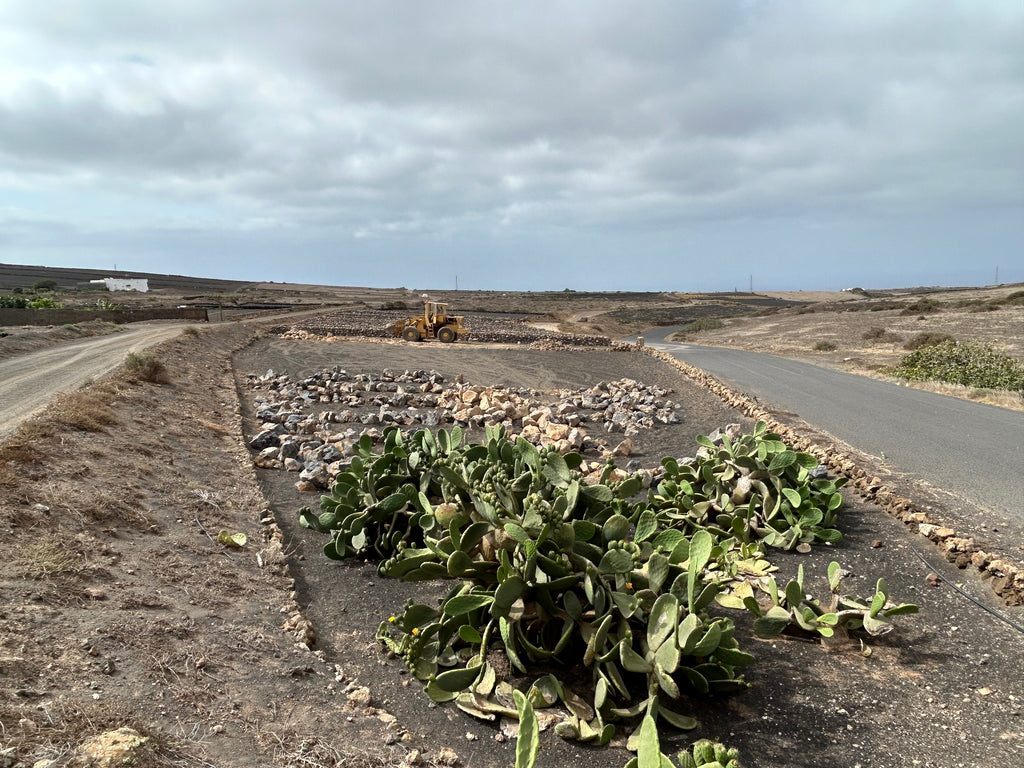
23 276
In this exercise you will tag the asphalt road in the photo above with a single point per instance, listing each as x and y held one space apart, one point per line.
972 450
28 382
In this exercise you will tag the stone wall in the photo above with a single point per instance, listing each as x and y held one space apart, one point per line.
69 316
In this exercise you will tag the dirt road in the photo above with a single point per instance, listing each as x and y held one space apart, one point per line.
28 382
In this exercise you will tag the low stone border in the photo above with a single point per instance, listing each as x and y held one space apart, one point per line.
1005 578
372 323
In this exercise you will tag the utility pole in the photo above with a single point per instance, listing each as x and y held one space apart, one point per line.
997 274
456 282
751 283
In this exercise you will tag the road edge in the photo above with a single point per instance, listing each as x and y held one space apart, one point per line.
1005 578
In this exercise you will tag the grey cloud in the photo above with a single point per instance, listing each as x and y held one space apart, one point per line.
394 119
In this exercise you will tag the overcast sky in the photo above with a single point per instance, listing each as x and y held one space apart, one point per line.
518 145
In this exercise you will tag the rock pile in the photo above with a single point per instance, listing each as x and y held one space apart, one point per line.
499 329
312 426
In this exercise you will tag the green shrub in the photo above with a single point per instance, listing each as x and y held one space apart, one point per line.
44 285
971 364
145 366
13 302
45 302
190 330
927 339
825 346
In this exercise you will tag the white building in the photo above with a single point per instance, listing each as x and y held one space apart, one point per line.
124 284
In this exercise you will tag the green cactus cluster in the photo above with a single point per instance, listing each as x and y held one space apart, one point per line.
549 570
702 754
753 487
793 610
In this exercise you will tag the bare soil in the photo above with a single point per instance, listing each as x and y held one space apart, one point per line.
120 608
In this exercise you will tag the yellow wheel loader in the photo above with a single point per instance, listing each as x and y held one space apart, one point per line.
434 323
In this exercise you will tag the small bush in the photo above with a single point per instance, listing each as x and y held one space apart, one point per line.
704 324
45 302
24 444
927 339
145 366
825 346
44 285
13 302
49 557
971 364
190 330
1017 297
991 306
922 307
875 333
87 410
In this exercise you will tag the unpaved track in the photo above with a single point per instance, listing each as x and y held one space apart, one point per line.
28 382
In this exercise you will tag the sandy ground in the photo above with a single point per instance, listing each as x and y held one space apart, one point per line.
121 608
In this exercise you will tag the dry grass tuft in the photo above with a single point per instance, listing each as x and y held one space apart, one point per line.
52 558
294 749
88 410
8 477
56 730
91 504
214 427
876 333
1001 398
145 366
24 444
